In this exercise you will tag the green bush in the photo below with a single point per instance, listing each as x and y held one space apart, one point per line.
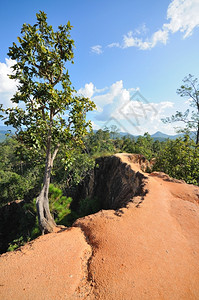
15 244
180 159
59 204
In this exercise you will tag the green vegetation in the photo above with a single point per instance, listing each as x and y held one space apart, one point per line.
59 204
20 172
190 90
180 159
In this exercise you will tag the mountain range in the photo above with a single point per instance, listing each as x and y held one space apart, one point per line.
156 136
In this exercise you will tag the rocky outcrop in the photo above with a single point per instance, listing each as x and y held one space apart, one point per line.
113 182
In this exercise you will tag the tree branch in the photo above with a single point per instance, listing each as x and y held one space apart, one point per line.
55 153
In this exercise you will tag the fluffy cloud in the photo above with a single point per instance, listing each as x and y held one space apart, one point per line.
159 36
96 49
109 99
121 104
88 90
182 16
8 86
128 109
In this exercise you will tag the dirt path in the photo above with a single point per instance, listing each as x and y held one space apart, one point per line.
145 251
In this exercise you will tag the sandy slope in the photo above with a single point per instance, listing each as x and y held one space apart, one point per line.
149 250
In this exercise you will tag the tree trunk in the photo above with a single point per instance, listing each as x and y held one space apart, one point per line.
46 221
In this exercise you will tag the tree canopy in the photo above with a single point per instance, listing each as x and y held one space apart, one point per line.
190 90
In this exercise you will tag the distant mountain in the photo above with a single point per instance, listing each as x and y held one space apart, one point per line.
156 136
162 136
126 134
4 130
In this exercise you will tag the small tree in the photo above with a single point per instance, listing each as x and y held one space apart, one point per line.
51 114
190 90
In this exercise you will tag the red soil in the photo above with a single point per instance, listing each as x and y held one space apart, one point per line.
145 251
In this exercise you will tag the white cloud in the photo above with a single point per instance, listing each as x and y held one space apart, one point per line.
182 16
96 49
116 45
142 29
129 110
116 88
129 40
8 86
88 90
134 89
133 114
103 100
141 110
159 36
101 90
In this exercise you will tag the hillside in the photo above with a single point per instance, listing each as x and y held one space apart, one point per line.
146 250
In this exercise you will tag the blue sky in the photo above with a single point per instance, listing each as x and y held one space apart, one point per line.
122 48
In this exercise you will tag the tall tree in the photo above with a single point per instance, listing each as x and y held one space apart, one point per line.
46 110
190 90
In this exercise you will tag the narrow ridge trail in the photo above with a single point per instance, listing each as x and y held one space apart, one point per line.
147 250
